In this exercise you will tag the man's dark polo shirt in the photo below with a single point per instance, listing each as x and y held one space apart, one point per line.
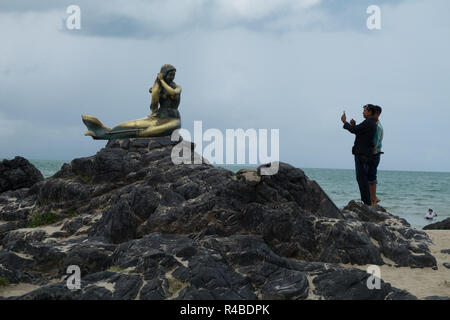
365 135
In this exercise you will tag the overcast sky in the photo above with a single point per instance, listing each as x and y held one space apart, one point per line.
293 65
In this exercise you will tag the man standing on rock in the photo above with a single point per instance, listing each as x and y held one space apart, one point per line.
363 148
373 165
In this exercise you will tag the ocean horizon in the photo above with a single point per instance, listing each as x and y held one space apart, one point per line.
407 194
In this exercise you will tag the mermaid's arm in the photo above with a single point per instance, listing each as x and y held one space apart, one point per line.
169 89
155 90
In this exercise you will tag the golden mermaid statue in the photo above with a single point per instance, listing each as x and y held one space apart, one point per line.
162 121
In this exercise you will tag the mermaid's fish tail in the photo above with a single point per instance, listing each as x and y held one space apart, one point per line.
96 129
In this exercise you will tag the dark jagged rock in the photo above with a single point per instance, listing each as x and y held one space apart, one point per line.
18 173
13 210
440 225
392 235
90 259
9 226
348 285
141 227
237 267
12 267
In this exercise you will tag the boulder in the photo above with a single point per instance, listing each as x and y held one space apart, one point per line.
18 173
141 227
440 225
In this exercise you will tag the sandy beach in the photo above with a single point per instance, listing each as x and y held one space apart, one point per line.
421 282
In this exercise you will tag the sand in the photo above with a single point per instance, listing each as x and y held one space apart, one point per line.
18 289
424 282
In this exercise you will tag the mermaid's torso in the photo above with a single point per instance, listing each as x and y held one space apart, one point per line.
168 106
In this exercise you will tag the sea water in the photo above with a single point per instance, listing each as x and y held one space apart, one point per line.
402 193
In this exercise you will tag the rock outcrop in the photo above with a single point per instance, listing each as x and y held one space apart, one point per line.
18 173
440 225
141 227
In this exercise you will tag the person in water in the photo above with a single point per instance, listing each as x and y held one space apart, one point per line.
363 148
430 214
161 121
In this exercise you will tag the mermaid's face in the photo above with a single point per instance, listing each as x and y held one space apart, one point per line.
170 76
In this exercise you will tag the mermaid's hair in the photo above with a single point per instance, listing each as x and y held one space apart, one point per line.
156 89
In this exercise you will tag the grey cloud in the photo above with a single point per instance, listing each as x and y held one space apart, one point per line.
113 25
33 5
110 19
237 78
202 15
325 16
